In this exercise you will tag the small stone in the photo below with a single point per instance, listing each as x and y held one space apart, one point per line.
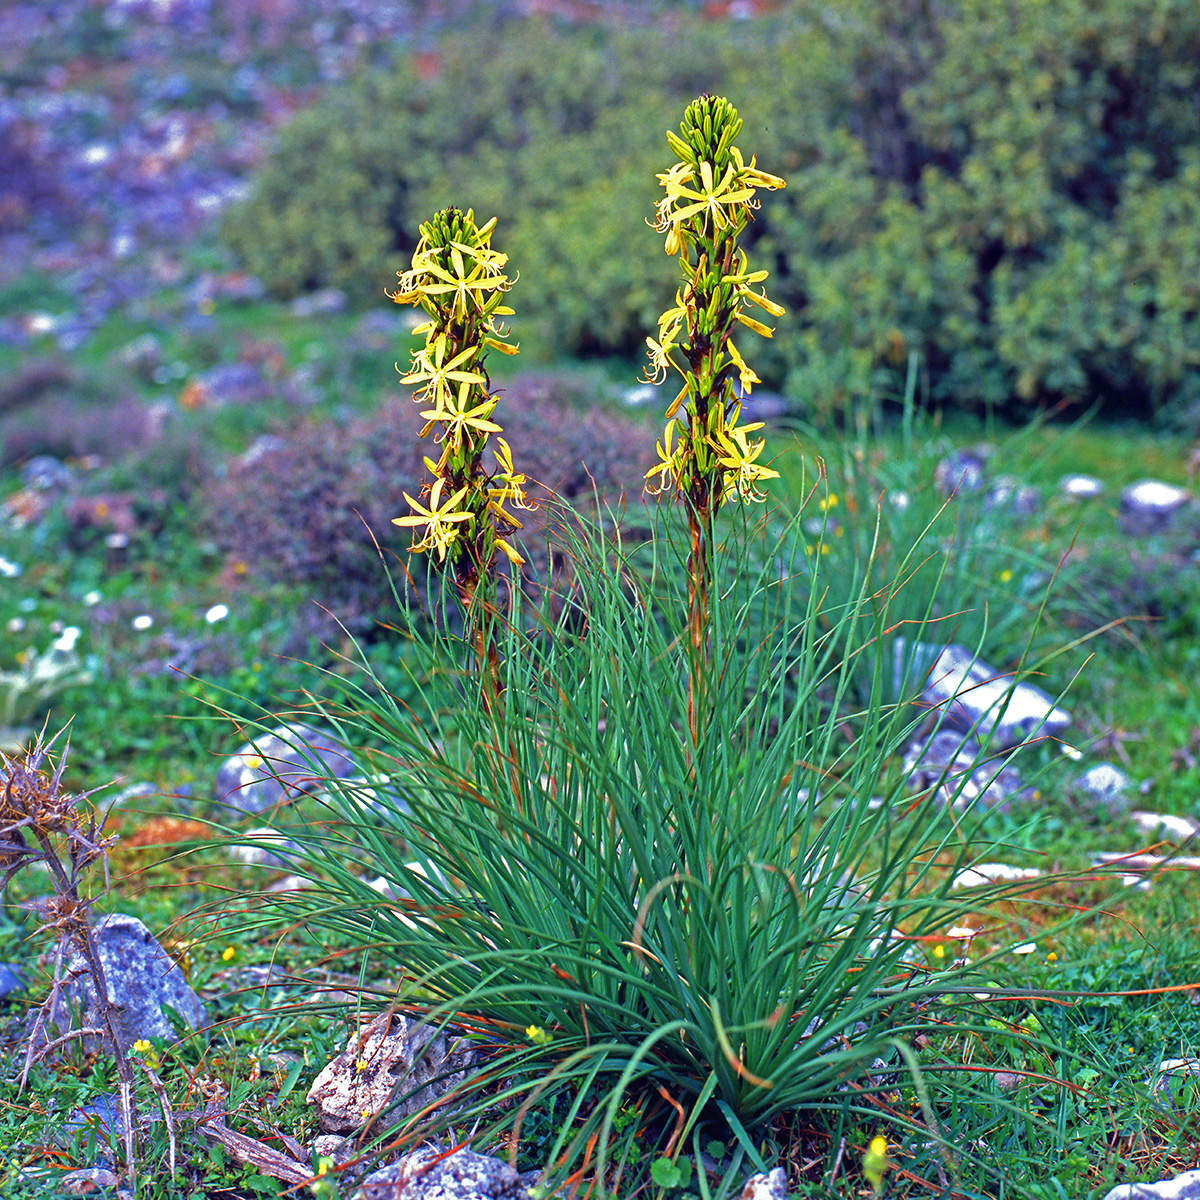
383 1062
44 473
323 302
266 848
969 694
960 473
1174 1074
1181 1187
1014 497
1150 506
142 981
92 1179
772 1186
335 1146
985 873
951 762
641 395
1182 828
280 766
430 1174
143 356
1081 487
1108 785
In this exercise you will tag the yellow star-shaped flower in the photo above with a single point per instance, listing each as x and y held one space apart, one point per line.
442 523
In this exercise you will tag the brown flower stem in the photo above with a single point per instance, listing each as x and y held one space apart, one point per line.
479 620
699 569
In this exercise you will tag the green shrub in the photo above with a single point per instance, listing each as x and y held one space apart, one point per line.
526 120
1010 191
1013 193
314 509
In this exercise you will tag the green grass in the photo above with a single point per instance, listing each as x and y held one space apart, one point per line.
1137 680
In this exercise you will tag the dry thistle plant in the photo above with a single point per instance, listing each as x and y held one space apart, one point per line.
40 823
709 201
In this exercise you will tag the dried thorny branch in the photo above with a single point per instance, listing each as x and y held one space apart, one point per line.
40 823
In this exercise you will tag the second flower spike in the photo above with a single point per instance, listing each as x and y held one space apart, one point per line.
460 283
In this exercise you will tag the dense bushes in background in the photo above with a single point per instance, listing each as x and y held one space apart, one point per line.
1011 191
525 122
314 507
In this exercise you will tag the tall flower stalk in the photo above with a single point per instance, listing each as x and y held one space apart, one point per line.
707 457
463 513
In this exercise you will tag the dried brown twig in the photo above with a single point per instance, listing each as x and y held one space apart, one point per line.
40 823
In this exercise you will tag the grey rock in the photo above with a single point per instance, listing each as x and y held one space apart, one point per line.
88 1180
1151 506
960 473
142 981
1013 497
230 383
267 848
1181 828
1174 1074
950 762
280 766
362 794
336 1146
45 473
12 982
1182 1187
1107 785
968 694
103 1112
388 1060
425 1175
143 356
642 394
323 302
1081 487
772 1186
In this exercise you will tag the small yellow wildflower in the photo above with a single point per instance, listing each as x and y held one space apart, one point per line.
228 954
875 1162
141 1046
1005 576
538 1036
939 952
1052 957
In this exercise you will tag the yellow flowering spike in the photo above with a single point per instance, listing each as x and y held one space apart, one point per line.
709 198
738 456
459 280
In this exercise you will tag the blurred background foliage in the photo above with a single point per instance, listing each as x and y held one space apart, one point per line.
1012 192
